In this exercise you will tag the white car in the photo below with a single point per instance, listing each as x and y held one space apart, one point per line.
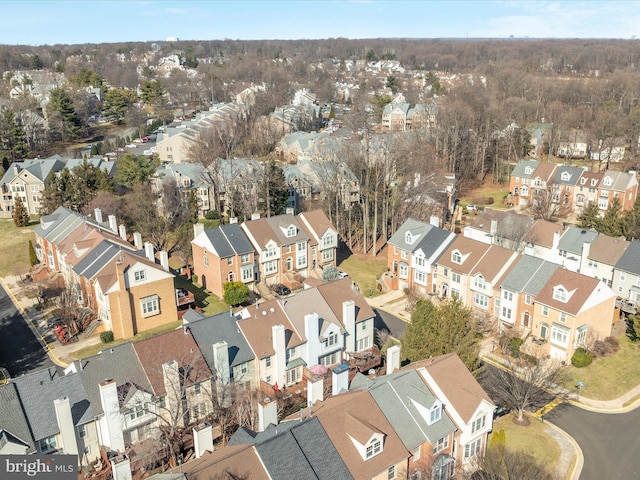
472 208
130 145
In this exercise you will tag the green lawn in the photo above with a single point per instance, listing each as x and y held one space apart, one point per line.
364 270
609 377
480 197
207 301
94 349
15 244
531 439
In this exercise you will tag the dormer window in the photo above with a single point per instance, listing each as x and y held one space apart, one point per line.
593 182
607 181
565 177
479 281
373 448
528 170
291 231
583 181
456 257
560 294
436 413
408 238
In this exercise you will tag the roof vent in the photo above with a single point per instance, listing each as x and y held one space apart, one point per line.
264 312
272 310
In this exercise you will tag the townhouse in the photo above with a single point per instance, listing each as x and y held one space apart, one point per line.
467 405
26 180
323 239
470 270
626 275
542 240
521 180
587 190
564 184
620 185
412 253
223 254
190 178
402 116
570 311
600 257
118 284
505 228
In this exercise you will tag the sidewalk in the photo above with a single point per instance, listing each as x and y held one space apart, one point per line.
36 320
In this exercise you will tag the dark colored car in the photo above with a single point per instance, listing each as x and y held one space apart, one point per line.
282 290
53 322
501 411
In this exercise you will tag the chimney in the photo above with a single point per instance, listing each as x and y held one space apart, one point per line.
171 379
267 414
137 240
493 229
312 330
121 467
556 241
221 361
340 379
315 390
233 220
110 425
279 346
113 223
584 258
98 214
65 424
202 439
434 220
16 169
123 232
149 252
198 228
349 321
393 359
255 216
289 211
164 260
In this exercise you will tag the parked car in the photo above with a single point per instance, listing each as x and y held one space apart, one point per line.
53 322
144 139
342 274
130 145
501 411
281 290
472 208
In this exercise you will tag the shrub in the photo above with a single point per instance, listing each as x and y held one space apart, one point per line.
601 348
212 215
33 258
530 359
613 342
235 293
106 337
581 358
514 346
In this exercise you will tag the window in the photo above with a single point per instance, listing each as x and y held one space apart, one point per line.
230 261
441 444
363 343
545 311
82 431
404 254
404 270
245 258
479 281
472 448
456 257
291 352
330 359
480 300
270 267
593 263
197 388
607 181
391 473
51 261
291 231
560 294
623 277
455 293
35 188
139 275
374 448
247 274
243 368
455 277
327 255
206 260
395 249
479 424
287 249
150 305
445 273
331 340
271 252
419 261
543 330
293 375
48 444
563 317
301 260
507 295
582 335
420 277
559 335
327 241
137 411
527 299
267 362
435 413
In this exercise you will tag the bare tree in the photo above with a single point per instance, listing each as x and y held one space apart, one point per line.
502 463
551 203
522 385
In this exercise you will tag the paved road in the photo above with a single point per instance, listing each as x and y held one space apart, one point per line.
610 442
20 350
387 321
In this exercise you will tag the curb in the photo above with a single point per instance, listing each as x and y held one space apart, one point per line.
32 326
577 468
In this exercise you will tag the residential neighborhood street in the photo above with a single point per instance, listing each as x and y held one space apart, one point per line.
20 351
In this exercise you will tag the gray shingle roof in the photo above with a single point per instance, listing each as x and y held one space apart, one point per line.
574 237
229 240
40 389
58 225
529 275
520 169
96 259
396 395
217 328
12 417
430 240
574 175
630 260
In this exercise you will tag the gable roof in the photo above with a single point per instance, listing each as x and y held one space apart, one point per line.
462 390
430 240
542 233
545 171
567 175
317 223
574 237
347 416
236 461
397 395
178 346
580 288
305 302
473 249
12 417
38 167
339 291
222 327
529 275
608 250
229 240
629 260
520 169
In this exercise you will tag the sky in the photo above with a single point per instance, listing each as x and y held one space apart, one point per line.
50 22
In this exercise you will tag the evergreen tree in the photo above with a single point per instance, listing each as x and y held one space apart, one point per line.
35 63
590 217
235 293
62 116
117 102
152 91
274 191
436 330
20 213
33 258
133 169
13 141
632 222
612 223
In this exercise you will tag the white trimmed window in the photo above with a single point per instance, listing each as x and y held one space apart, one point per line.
327 255
150 305
291 231
330 359
559 335
139 275
404 254
480 300
391 473
206 260
545 311
560 294
563 317
49 444
527 299
441 444
374 448
478 424
506 312
331 340
455 277
245 258
582 336
472 448
507 295
363 343
456 257
479 281
404 270
420 277
270 267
